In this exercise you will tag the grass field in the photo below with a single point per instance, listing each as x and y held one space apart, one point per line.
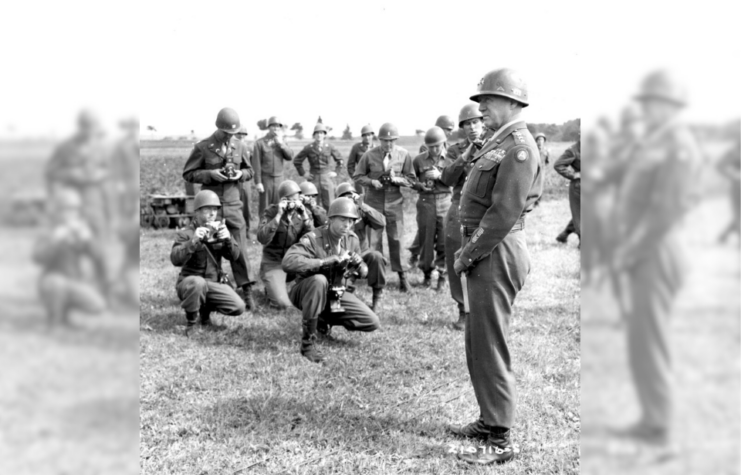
243 400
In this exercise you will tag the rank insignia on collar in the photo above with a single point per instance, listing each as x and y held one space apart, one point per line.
522 155
518 136
495 155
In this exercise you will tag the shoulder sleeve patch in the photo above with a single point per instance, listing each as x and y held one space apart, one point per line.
522 155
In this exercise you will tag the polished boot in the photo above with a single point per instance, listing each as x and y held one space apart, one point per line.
308 342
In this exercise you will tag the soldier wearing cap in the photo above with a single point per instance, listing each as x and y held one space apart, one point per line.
63 286
309 195
454 174
319 152
201 286
383 170
221 163
268 155
446 123
369 219
281 226
504 182
367 138
320 253
432 206
568 166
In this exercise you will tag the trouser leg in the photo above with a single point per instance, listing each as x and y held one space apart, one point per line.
357 315
376 269
223 299
426 232
235 223
192 291
393 228
575 204
274 280
452 244
310 296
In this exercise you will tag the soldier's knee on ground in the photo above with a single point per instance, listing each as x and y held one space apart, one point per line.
237 309
194 283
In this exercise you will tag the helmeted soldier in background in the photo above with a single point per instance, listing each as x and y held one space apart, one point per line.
221 163
382 171
198 249
268 155
309 195
63 286
545 152
281 226
319 152
504 182
432 206
368 219
367 138
454 174
317 256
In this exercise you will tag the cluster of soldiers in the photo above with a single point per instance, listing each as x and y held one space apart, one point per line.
473 200
89 257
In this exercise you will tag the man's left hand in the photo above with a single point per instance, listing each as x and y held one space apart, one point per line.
223 234
459 267
237 176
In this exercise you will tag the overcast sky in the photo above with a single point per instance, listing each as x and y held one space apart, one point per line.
175 64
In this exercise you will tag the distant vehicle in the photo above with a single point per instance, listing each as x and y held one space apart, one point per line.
167 211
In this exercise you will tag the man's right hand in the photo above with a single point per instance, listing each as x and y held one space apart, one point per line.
216 175
199 234
376 184
331 261
260 188
282 205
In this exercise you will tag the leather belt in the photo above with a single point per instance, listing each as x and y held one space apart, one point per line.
467 231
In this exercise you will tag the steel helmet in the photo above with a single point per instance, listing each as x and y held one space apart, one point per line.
320 128
503 82
435 136
367 129
274 121
388 132
469 111
227 120
308 188
445 122
343 188
206 198
288 188
662 85
242 131
343 207
540 134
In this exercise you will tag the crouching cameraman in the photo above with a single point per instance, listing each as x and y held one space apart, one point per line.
322 260
202 285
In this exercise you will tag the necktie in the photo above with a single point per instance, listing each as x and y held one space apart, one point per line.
386 161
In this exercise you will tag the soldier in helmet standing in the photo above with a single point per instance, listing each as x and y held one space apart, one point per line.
321 252
268 155
432 206
369 219
319 154
221 163
382 171
504 182
198 249
454 174
367 137
281 226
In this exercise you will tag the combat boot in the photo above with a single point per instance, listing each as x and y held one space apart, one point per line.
377 305
190 319
324 329
474 430
563 237
308 342
427 282
497 449
205 313
249 300
403 284
461 323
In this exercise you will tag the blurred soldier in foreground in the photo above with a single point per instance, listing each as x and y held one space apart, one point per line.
321 260
244 190
454 174
369 219
202 285
656 190
382 171
308 196
432 206
568 166
730 167
446 123
367 138
63 285
501 189
319 154
268 156
221 163
281 227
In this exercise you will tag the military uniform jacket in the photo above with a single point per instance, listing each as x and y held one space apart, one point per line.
277 238
356 152
318 214
268 157
371 168
304 258
194 259
369 218
421 164
502 187
207 155
570 162
64 257
456 168
318 156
